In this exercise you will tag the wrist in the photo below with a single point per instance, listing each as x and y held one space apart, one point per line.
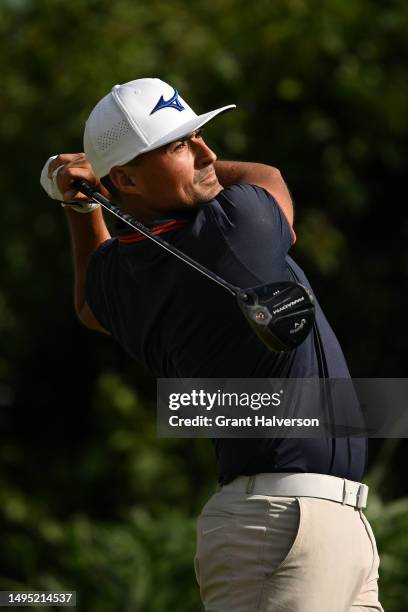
83 208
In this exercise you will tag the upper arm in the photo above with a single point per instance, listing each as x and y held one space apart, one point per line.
250 217
96 311
272 181
88 319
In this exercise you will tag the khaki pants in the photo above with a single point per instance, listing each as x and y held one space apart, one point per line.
257 553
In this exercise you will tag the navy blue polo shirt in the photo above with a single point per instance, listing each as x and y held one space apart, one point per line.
180 324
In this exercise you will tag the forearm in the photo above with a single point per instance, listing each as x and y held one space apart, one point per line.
267 177
232 172
87 232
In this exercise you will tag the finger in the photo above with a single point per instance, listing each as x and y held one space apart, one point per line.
54 173
72 195
68 174
68 159
52 165
72 158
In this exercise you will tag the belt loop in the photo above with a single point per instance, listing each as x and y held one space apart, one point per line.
250 484
362 494
343 501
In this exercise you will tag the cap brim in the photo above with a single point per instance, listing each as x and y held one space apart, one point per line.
187 128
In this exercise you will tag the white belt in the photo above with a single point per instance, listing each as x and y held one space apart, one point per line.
282 484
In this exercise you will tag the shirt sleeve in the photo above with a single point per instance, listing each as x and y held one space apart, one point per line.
97 281
255 208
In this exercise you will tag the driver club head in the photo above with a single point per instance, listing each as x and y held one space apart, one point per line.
282 314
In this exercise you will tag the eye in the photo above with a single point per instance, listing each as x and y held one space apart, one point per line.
180 145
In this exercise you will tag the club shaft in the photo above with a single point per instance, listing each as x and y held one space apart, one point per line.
85 188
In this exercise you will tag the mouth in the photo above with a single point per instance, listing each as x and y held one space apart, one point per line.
209 178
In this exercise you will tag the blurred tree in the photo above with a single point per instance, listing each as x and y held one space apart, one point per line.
90 499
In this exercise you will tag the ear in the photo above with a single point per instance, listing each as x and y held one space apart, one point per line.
123 179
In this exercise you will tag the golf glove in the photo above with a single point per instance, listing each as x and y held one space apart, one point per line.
50 186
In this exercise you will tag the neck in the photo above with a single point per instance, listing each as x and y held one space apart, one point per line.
139 210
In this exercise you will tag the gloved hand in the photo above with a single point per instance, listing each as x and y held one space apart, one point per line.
49 183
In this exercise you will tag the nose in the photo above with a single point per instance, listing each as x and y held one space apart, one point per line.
204 156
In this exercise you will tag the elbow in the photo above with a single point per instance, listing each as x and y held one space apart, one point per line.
88 319
273 176
275 173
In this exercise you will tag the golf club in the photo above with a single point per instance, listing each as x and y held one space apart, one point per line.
282 314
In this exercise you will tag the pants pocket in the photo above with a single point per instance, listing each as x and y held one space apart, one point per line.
283 536
212 561
237 552
197 569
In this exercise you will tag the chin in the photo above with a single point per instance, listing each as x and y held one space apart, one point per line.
208 192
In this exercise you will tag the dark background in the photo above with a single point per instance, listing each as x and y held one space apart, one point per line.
90 499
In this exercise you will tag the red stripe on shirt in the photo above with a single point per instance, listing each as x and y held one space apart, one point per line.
161 229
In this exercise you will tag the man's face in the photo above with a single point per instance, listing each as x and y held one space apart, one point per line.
177 176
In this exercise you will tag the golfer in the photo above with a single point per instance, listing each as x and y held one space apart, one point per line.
285 531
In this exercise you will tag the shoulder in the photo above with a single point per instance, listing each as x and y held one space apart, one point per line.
251 205
243 191
246 195
251 199
101 256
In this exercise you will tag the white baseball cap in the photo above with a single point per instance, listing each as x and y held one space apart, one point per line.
137 117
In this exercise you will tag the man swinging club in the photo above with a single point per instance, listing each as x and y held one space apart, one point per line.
285 531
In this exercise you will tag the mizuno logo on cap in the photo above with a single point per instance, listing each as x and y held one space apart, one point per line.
174 102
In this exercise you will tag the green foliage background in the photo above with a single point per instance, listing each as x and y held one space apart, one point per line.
90 499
